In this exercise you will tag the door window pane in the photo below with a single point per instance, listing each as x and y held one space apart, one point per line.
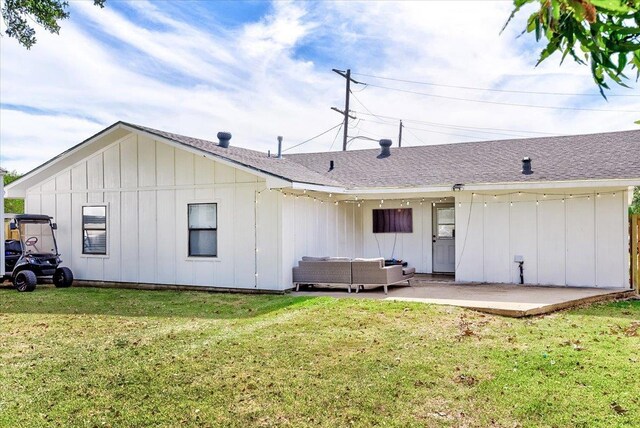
445 231
446 216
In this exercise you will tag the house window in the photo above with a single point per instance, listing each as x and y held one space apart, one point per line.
94 229
203 230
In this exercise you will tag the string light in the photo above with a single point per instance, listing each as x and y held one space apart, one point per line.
324 197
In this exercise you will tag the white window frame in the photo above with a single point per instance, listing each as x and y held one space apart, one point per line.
204 258
106 255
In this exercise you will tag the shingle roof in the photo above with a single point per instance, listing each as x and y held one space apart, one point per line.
613 155
283 168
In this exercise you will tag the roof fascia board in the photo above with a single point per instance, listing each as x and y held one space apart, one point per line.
317 188
18 188
277 183
213 156
199 152
618 183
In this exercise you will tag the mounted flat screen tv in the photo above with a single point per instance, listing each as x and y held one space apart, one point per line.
393 220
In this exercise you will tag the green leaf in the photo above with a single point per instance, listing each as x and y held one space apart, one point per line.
555 9
612 5
622 62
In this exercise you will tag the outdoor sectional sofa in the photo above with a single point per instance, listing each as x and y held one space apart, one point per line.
342 271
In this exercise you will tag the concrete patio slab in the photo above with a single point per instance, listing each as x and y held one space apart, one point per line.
502 299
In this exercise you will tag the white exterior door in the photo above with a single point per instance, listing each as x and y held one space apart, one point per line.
444 234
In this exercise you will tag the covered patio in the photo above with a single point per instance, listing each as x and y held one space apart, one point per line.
510 300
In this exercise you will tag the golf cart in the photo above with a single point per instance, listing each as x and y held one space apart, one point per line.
34 254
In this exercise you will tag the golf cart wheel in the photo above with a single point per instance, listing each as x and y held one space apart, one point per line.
63 277
25 280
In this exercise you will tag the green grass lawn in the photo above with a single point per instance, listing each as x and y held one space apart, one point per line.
104 357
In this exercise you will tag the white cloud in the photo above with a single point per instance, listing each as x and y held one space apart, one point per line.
273 77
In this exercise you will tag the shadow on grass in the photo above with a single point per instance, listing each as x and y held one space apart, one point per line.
144 303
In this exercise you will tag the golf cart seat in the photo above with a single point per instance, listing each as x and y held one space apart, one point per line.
12 253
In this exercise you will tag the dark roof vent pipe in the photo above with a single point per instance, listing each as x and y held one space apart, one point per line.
279 147
384 148
223 139
526 165
331 165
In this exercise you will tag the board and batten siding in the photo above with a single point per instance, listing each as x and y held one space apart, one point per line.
2 226
579 242
146 186
415 248
314 228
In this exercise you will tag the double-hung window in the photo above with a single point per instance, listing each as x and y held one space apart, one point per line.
203 230
94 229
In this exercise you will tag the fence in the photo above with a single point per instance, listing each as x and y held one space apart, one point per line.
634 234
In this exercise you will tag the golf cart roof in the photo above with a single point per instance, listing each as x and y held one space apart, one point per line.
28 217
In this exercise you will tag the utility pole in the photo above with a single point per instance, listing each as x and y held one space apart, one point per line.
347 76
400 135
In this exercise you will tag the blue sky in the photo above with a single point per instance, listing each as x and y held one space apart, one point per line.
261 69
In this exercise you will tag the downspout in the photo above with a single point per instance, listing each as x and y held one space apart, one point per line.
255 238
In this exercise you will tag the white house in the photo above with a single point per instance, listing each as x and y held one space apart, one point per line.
139 205
2 173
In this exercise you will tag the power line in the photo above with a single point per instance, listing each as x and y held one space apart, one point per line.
446 125
367 109
491 89
370 113
416 137
336 137
499 102
313 138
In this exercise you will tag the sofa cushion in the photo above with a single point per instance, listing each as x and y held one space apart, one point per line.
338 259
375 259
314 259
409 271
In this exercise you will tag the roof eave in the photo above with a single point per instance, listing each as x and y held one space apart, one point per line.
518 185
